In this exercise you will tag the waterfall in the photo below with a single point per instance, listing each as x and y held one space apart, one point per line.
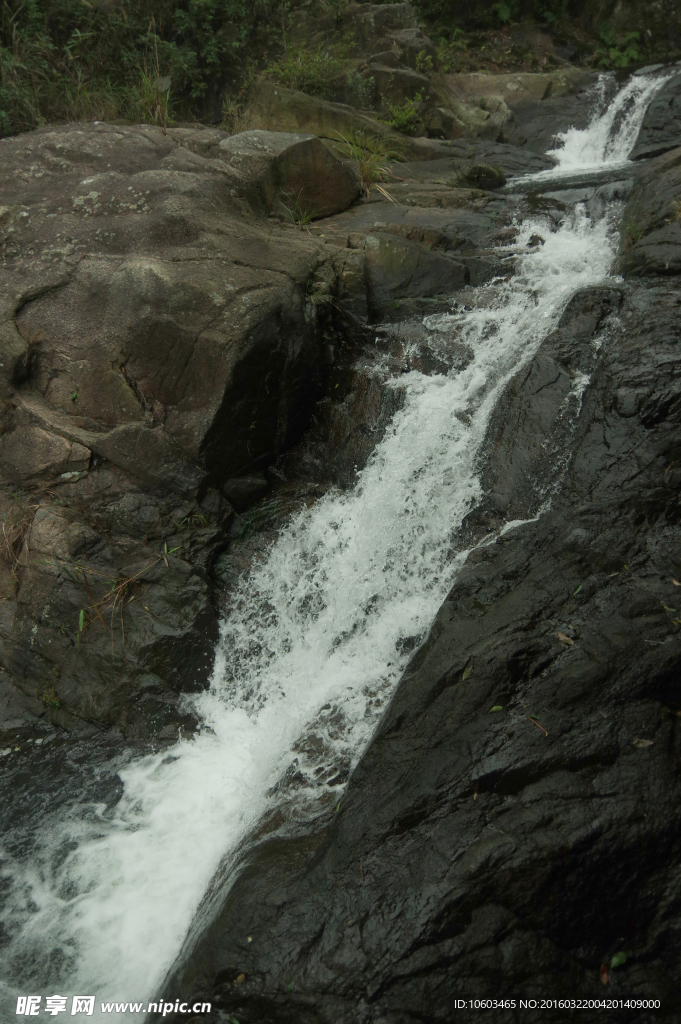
612 131
317 637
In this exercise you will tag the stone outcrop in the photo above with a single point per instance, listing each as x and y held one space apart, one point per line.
524 108
661 128
651 225
294 173
160 340
276 108
164 341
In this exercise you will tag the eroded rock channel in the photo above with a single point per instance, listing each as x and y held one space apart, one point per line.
380 515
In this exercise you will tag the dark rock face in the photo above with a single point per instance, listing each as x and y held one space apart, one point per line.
652 221
397 269
159 338
295 173
514 823
661 128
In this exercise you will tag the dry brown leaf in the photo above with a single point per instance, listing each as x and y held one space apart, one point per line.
240 979
642 743
676 582
565 639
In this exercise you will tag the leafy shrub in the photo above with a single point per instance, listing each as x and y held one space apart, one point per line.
450 50
326 72
72 59
424 62
317 73
622 51
403 117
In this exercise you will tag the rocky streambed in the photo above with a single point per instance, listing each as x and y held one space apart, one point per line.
442 393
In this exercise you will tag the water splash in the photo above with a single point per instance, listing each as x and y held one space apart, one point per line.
611 134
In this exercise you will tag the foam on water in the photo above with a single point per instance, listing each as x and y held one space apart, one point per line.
312 645
610 136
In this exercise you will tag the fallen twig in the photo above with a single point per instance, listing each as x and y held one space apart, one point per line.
535 722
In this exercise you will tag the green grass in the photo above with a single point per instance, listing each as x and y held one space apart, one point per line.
296 212
371 156
403 117
327 72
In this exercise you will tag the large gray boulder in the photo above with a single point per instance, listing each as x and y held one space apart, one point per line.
295 173
158 340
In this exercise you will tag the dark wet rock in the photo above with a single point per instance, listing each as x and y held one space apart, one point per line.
483 176
536 127
531 431
510 852
661 127
523 108
512 159
244 490
395 85
397 269
344 433
651 225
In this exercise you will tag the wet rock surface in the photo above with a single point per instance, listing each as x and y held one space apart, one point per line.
512 826
651 239
661 128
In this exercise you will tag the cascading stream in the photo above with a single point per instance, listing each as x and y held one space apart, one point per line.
317 638
608 140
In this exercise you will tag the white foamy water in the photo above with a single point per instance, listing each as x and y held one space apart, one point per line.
311 652
612 131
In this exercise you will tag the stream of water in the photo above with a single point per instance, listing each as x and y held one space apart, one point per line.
100 900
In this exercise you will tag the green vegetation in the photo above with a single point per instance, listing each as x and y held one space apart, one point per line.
76 59
622 50
632 232
449 51
50 698
155 60
327 72
296 212
404 117
371 156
